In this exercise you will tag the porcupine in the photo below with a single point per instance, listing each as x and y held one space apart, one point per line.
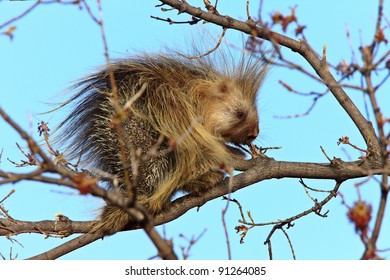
205 102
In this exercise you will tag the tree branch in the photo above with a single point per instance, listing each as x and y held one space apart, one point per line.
259 169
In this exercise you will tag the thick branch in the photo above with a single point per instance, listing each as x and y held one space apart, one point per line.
58 228
67 247
260 169
268 168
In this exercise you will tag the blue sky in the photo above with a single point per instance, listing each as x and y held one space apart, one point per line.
55 45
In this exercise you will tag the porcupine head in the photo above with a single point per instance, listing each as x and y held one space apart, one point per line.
202 105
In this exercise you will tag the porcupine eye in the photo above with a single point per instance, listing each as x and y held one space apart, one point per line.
240 115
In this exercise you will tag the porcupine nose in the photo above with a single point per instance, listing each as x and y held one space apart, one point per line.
252 135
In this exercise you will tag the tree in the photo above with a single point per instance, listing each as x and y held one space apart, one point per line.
366 72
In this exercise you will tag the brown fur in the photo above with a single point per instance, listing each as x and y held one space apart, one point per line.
178 91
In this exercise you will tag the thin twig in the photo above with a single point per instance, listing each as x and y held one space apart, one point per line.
8 195
224 211
289 242
323 151
211 50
